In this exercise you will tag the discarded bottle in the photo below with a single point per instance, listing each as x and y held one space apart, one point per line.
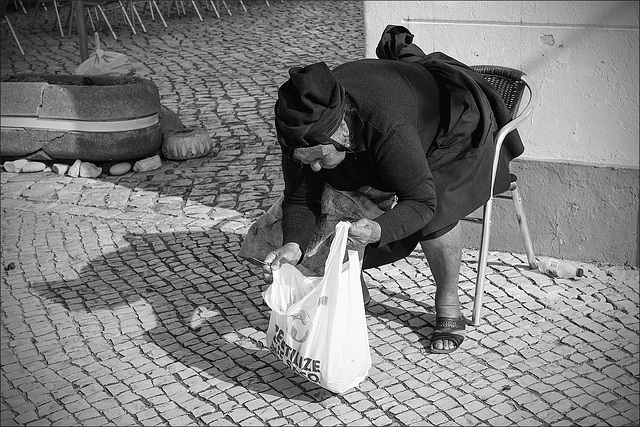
558 268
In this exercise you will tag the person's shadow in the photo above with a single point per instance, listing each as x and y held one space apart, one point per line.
208 310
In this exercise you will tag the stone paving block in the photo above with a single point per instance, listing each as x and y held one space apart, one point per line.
114 414
59 415
240 414
632 414
68 421
351 418
577 414
125 419
495 400
437 419
27 417
301 417
518 416
87 414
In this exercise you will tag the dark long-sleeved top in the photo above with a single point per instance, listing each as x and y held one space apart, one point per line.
398 104
427 137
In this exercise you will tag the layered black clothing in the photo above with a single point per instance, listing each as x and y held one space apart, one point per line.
424 130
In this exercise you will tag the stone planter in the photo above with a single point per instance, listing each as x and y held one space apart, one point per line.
91 118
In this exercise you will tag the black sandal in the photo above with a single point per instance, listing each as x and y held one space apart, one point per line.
445 331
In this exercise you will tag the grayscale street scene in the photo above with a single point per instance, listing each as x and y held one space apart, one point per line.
125 301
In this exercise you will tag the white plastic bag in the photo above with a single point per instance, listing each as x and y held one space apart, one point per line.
317 325
101 63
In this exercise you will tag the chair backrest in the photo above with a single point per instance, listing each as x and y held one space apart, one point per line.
507 82
510 84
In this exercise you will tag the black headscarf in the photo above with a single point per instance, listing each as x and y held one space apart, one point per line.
309 108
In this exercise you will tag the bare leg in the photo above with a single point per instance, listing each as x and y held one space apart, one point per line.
365 290
444 255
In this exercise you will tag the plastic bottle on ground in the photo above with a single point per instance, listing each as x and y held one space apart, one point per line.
557 268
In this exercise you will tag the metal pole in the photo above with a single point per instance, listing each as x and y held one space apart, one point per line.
82 31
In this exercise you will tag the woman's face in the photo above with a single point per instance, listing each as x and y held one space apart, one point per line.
324 156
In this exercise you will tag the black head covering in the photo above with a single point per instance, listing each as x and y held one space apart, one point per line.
309 108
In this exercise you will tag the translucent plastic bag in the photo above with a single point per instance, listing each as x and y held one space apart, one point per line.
317 325
101 63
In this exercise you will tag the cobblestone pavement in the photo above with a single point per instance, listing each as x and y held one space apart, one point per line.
127 303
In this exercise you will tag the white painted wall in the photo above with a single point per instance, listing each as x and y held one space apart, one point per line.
583 56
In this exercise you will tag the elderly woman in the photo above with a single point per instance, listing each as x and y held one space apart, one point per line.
418 126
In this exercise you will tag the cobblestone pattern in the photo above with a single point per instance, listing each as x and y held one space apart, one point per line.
124 303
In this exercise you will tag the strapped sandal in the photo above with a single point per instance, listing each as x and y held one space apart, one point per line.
446 328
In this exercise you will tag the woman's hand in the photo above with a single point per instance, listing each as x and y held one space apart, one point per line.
289 253
363 232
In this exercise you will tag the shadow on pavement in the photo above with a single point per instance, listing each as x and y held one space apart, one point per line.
189 295
207 310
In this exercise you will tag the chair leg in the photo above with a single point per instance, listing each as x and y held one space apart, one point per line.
35 15
93 26
15 37
55 6
137 15
126 17
226 7
524 227
484 246
215 9
482 262
69 22
195 6
107 21
159 13
21 6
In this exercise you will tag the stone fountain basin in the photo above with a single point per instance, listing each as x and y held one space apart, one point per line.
90 118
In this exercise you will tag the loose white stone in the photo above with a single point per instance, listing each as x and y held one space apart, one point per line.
148 164
89 170
33 167
120 168
60 168
15 166
74 170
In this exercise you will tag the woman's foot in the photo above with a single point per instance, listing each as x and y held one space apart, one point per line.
448 335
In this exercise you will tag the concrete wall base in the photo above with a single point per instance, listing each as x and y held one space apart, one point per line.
575 212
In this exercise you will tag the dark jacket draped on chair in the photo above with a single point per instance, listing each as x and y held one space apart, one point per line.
396 43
